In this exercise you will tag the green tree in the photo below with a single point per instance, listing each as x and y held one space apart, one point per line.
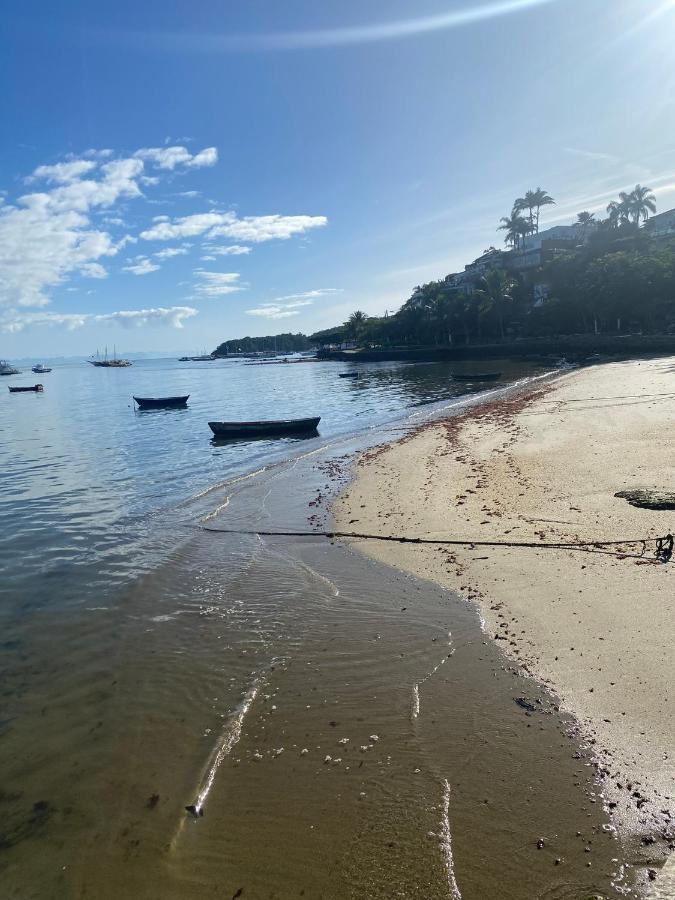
355 324
516 227
641 201
538 199
495 292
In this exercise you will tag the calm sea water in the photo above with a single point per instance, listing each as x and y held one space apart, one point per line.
346 730
85 475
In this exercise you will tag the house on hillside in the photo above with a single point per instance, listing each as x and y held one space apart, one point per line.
661 225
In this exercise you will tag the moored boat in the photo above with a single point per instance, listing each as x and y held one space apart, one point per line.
113 363
34 389
477 376
6 369
268 428
161 402
41 369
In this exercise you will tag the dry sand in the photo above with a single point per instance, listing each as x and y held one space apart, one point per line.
598 629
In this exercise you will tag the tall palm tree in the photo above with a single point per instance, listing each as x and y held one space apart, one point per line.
585 219
614 213
525 203
355 323
641 201
495 292
516 227
625 207
538 199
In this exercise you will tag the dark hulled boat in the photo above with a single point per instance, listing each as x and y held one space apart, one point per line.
348 374
478 376
161 402
32 389
269 428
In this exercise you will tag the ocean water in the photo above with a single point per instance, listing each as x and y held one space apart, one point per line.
346 731
85 475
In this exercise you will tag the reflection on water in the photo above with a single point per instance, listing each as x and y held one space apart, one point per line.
345 731
84 471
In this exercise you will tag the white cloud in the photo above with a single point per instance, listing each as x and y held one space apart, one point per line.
63 172
254 229
188 226
172 157
174 316
93 270
232 250
291 304
257 229
141 266
189 193
208 258
216 284
168 252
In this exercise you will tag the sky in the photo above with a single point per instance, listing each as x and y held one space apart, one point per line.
176 175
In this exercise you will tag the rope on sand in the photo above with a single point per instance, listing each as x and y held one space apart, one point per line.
663 550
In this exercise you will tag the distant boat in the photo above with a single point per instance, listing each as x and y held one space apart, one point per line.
161 402
208 357
41 369
269 428
113 363
348 374
477 376
6 369
33 389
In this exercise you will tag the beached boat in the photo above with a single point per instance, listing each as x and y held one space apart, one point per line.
161 402
269 428
6 369
348 374
477 376
41 369
34 389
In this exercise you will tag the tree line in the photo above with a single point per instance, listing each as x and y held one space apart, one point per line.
617 279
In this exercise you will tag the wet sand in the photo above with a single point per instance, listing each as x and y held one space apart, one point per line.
596 628
433 766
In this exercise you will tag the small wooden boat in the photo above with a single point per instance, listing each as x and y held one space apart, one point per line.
348 374
269 428
477 376
161 402
34 389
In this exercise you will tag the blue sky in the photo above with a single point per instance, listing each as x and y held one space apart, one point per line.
174 175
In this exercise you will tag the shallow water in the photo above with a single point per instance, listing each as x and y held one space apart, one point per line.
149 665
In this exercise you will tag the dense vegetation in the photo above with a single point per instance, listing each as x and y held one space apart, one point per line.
282 343
616 279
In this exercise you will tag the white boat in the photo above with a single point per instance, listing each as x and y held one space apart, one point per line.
6 369
41 369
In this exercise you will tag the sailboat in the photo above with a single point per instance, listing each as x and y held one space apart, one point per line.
113 363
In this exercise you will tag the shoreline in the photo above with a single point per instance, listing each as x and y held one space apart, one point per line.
544 466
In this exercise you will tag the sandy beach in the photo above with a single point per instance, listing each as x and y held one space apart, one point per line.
596 627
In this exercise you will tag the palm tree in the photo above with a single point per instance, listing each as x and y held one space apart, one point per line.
614 213
625 207
525 203
585 219
495 291
641 201
355 323
538 199
516 227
